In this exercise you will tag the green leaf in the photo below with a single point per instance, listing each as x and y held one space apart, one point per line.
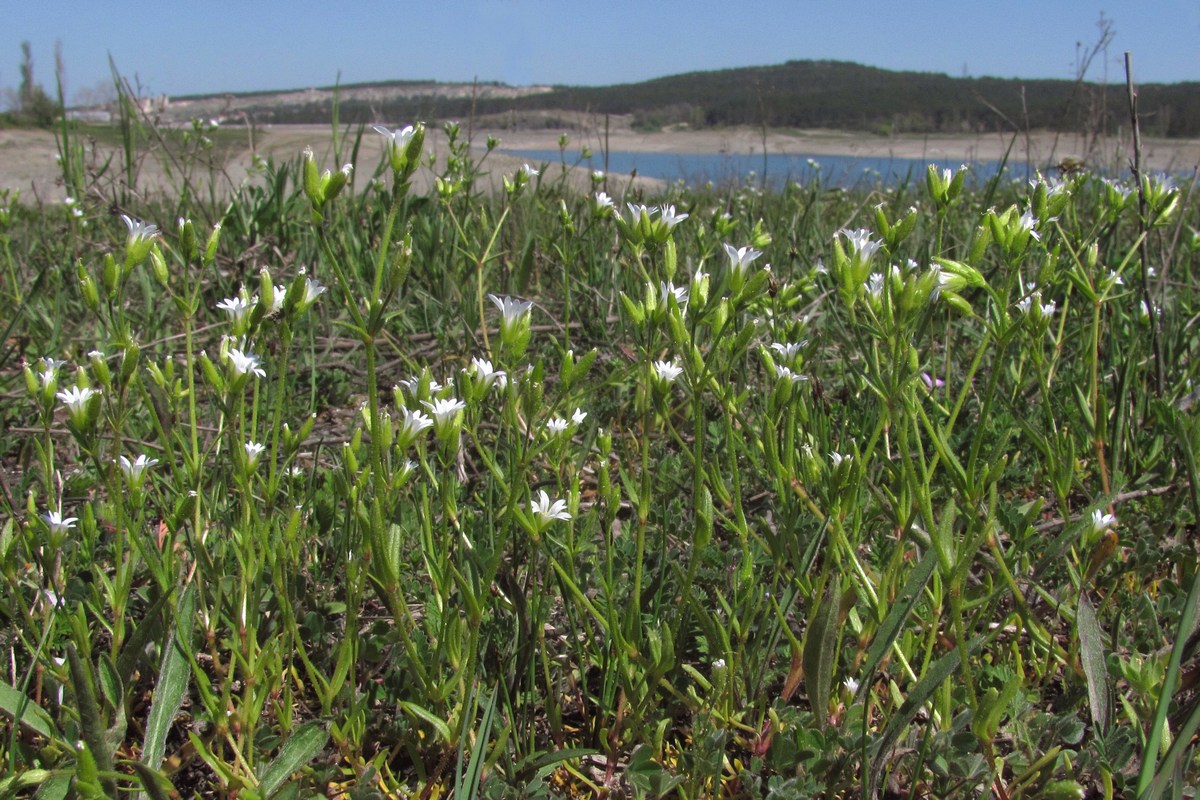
16 705
301 747
889 629
438 724
154 782
173 675
1091 648
820 647
937 674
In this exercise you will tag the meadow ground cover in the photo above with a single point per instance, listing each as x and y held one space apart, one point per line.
334 487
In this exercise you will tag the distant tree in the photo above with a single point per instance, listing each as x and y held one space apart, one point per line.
34 106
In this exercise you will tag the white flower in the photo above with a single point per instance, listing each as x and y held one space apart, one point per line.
546 512
556 426
719 664
850 685
312 290
838 459
244 363
579 416
1102 521
512 309
138 231
397 139
49 371
789 350
740 258
133 469
667 371
484 373
603 201
77 397
636 210
57 523
529 171
237 307
1027 222
679 292
670 218
444 409
860 242
253 451
785 374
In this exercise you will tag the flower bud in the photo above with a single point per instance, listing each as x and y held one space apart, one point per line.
87 286
210 248
111 274
188 246
158 265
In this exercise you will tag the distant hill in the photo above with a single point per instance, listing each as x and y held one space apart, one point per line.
798 94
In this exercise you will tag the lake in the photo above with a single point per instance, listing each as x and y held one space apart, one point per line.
696 169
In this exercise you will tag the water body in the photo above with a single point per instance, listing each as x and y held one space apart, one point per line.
724 169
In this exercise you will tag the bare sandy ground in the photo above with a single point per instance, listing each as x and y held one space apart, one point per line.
27 158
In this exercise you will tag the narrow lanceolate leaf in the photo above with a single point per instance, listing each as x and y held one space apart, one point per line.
90 722
301 747
16 705
173 674
889 629
820 647
918 695
1091 651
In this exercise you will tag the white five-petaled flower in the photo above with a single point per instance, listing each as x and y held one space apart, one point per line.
512 309
412 423
546 512
398 138
485 374
786 374
740 258
838 459
444 409
603 201
133 469
788 350
529 171
253 451
245 363
680 293
860 242
1102 521
58 523
49 371
670 218
555 426
76 398
579 416
237 307
312 290
667 371
851 686
1027 222
139 231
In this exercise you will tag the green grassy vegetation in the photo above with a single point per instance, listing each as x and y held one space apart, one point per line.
333 488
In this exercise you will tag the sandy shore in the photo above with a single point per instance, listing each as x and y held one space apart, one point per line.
27 158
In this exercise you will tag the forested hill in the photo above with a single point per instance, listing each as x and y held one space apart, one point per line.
812 94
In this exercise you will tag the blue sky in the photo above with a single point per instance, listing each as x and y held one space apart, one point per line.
182 48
